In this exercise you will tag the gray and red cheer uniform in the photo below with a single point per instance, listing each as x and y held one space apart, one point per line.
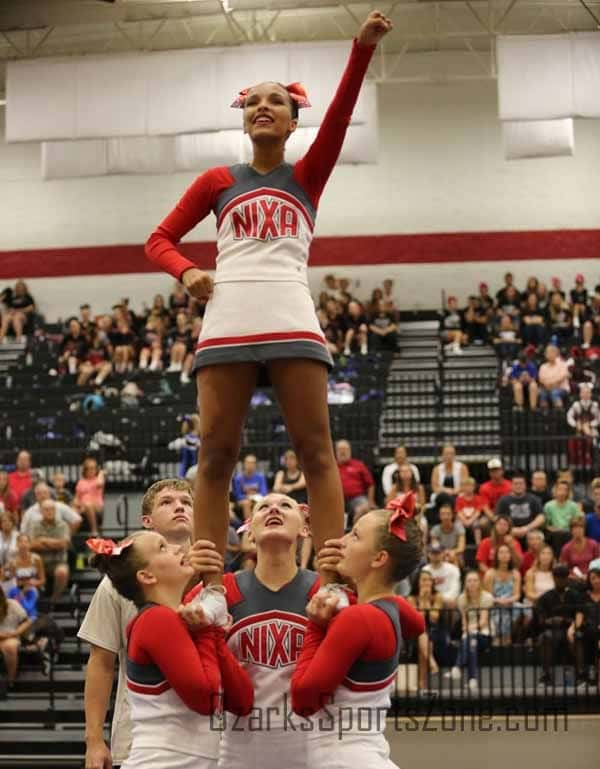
267 638
261 308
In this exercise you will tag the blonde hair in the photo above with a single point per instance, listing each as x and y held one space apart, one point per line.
177 484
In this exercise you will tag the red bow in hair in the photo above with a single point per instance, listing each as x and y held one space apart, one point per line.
107 546
305 510
404 509
296 91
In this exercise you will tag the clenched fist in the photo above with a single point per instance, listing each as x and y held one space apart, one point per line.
198 284
374 29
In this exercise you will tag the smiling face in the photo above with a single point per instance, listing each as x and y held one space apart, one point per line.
277 520
165 564
360 554
268 113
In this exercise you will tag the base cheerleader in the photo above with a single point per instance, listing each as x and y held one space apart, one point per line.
349 658
178 680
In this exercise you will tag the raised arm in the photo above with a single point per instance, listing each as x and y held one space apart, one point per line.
313 170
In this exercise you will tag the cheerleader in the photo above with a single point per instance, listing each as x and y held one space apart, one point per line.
260 312
177 679
349 659
268 607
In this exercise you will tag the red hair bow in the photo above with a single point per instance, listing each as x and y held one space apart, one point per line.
107 546
404 509
296 91
305 510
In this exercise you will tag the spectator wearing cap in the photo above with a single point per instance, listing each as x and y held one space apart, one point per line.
497 486
558 611
522 378
20 480
539 486
450 534
580 551
524 509
452 327
501 535
473 511
358 485
533 322
449 475
554 378
446 576
400 458
558 514
584 414
592 519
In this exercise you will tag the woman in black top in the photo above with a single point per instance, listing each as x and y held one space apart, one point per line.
20 307
290 480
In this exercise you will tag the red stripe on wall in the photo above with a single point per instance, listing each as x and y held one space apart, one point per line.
325 252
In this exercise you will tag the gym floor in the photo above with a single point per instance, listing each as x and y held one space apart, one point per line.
501 743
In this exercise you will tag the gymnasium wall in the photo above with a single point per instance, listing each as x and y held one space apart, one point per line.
441 170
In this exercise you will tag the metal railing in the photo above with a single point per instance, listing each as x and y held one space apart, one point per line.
510 659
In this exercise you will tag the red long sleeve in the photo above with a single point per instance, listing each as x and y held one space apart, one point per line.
190 665
358 632
362 632
313 170
237 685
196 203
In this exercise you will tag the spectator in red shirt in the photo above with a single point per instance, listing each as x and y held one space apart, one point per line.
501 535
497 486
535 543
473 511
357 482
7 496
20 480
580 551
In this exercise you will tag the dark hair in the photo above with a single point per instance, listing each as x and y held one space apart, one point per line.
293 104
122 569
404 556
561 571
3 604
397 481
511 565
417 580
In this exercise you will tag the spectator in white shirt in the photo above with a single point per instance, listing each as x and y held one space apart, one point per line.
584 414
446 576
400 458
554 378
34 514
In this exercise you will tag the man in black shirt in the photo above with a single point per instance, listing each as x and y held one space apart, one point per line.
557 611
525 510
539 486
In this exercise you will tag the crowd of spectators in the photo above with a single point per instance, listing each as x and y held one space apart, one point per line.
162 336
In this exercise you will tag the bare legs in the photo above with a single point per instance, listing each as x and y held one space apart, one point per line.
301 388
224 392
